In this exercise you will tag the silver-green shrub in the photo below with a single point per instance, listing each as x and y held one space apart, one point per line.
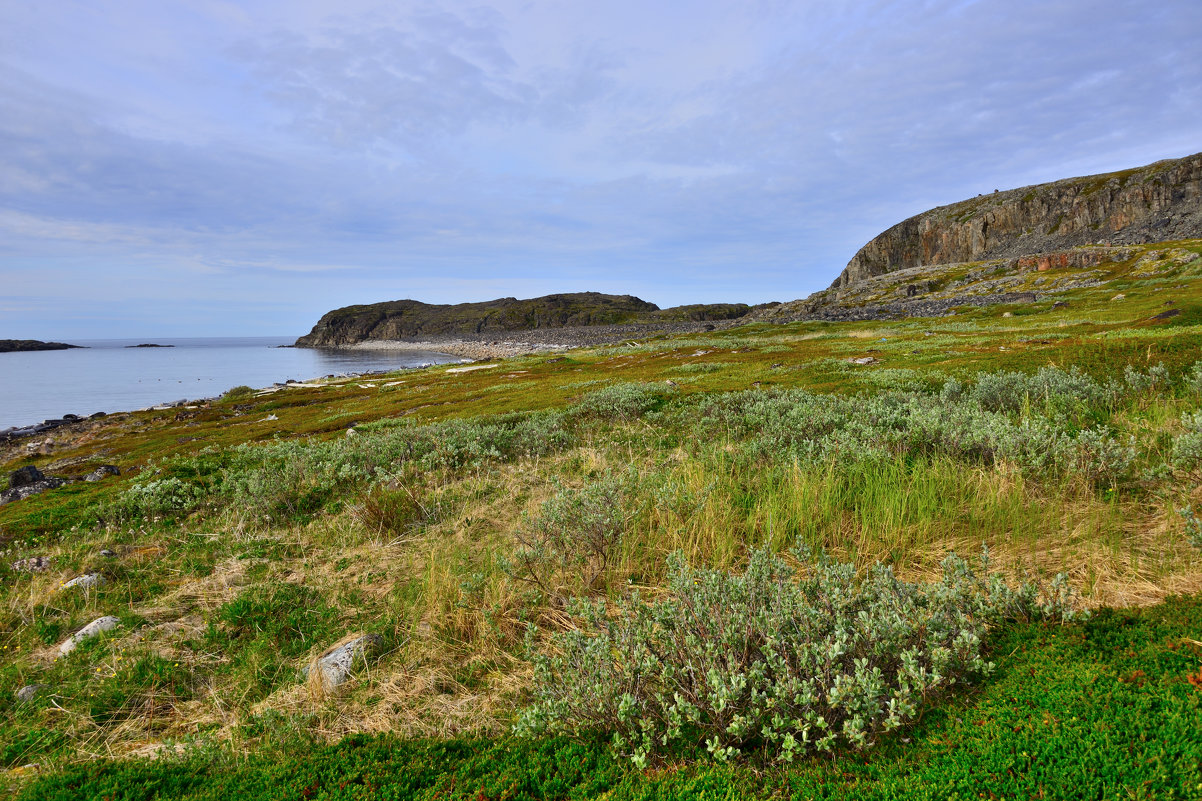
1050 390
1193 527
807 427
621 401
773 660
296 476
153 497
573 539
1187 446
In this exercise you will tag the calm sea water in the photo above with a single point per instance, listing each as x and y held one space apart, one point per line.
109 377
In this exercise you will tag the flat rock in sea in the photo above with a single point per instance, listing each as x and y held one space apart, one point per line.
97 626
42 427
149 345
335 664
15 345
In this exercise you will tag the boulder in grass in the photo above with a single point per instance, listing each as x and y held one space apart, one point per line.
28 481
25 476
97 626
334 666
29 692
31 564
85 582
103 472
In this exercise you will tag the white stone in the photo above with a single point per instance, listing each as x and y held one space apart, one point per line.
100 624
335 664
86 581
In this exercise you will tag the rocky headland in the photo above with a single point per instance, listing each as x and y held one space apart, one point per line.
1157 203
19 345
551 321
1015 246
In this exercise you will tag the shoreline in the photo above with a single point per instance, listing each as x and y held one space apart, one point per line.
506 344
462 348
14 433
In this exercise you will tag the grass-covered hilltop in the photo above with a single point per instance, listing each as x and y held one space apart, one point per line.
931 534
411 320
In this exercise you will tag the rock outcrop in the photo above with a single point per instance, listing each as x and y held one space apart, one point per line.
28 481
1156 203
408 320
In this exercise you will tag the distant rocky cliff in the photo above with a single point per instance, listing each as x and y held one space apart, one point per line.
1160 202
412 320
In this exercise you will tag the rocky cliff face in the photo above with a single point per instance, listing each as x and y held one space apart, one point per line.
413 320
1160 202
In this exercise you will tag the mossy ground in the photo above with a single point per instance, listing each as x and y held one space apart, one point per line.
223 605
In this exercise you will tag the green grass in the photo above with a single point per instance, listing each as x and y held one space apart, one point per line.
289 534
1103 709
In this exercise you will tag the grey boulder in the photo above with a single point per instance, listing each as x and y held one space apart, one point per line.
97 626
103 472
27 693
25 476
32 564
335 665
86 582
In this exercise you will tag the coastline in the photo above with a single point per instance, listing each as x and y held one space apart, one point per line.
42 388
458 347
535 340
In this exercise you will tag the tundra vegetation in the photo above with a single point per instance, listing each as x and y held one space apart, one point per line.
729 565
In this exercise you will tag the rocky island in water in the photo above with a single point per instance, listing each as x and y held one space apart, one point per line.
16 345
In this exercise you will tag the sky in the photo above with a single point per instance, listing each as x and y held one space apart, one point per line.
203 167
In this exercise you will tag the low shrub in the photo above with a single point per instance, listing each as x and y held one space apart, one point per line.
266 627
290 617
239 392
621 401
575 535
698 367
1187 446
1193 527
770 660
162 496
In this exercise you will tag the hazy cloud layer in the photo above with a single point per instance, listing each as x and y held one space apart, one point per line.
212 167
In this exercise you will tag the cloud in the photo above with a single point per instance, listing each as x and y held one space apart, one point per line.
303 154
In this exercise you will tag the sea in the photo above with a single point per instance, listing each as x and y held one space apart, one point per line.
106 375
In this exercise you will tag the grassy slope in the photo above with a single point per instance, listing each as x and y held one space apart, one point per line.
415 559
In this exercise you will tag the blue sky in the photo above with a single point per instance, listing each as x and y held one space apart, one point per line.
206 167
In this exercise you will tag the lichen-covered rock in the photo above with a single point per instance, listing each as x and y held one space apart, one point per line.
31 564
97 626
85 582
103 472
334 666
1156 203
